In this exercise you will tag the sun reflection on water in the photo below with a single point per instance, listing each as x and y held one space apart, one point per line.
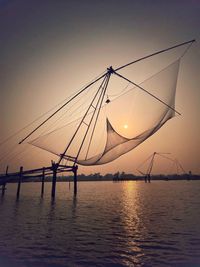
132 224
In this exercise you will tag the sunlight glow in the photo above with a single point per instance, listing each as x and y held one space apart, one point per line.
125 126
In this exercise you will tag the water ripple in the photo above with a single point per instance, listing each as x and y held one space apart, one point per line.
107 224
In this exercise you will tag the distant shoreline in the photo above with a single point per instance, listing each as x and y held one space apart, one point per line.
109 177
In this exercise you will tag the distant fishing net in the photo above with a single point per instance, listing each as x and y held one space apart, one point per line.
126 118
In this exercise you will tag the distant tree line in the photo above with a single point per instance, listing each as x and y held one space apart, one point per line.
118 176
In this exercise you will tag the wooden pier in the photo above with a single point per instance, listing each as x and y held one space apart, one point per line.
53 170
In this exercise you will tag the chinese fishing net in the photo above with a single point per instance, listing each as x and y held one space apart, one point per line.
124 117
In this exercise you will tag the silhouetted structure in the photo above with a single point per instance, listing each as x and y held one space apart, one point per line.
151 158
115 144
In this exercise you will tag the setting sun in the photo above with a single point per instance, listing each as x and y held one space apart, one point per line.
125 126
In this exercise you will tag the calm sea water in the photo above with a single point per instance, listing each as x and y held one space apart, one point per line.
106 224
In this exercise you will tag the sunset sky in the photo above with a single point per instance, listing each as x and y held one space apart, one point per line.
50 49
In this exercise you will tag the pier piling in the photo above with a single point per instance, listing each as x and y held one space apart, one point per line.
75 168
4 182
54 169
19 181
43 179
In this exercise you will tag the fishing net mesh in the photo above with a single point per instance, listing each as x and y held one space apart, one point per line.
122 123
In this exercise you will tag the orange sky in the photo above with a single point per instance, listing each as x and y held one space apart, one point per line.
51 49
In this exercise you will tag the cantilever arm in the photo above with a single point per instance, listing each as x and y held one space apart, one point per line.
156 53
